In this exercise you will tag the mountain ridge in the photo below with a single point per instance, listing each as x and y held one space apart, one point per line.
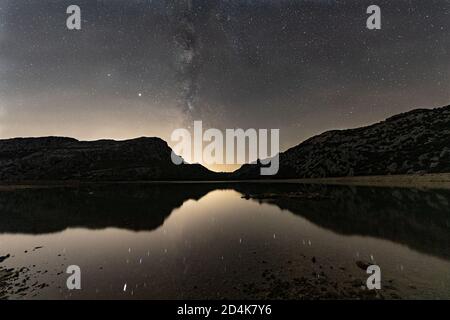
358 151
63 158
413 142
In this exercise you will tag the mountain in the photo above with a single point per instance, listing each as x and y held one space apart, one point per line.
413 142
59 158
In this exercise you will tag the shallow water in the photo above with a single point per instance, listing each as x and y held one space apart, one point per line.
174 241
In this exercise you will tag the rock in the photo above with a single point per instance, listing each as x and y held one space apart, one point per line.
407 143
3 258
363 264
59 158
403 144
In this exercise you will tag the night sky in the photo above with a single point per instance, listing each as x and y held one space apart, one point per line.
144 68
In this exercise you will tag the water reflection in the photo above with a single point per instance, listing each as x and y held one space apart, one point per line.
125 206
417 218
223 241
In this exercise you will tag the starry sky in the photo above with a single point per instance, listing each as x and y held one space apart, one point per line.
146 67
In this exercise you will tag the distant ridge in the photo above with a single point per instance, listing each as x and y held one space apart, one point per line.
415 142
59 158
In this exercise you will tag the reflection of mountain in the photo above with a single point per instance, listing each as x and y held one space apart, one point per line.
419 219
130 206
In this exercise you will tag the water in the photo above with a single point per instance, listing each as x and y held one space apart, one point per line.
170 241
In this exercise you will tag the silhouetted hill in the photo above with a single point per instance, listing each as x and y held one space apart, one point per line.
414 142
58 158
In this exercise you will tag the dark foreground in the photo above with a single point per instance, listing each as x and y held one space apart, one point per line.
233 241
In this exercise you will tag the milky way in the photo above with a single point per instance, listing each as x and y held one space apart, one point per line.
186 51
144 67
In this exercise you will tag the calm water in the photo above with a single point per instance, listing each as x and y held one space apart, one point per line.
208 241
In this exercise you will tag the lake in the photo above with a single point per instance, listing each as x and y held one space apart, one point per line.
224 240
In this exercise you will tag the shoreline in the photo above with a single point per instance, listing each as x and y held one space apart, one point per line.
429 181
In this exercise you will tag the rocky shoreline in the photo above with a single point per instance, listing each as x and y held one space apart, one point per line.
274 284
19 283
